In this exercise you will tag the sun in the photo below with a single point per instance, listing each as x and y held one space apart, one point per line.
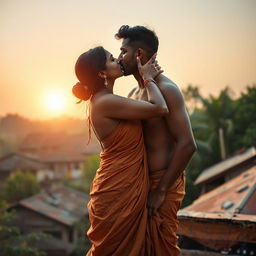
55 102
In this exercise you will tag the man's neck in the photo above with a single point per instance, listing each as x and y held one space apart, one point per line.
139 79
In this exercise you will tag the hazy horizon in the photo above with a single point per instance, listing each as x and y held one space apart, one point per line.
207 43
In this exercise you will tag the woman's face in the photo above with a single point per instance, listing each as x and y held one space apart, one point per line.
113 69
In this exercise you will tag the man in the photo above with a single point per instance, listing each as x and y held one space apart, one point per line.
169 142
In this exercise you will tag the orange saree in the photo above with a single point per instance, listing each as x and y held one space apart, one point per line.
117 209
162 227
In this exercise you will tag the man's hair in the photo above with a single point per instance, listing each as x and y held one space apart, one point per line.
139 36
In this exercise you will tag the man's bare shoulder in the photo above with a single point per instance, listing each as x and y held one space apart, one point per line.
169 89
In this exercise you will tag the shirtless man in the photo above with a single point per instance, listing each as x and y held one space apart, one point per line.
169 141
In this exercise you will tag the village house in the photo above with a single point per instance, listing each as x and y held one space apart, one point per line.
16 161
224 171
55 212
64 154
223 219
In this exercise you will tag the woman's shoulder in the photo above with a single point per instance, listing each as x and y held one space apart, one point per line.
104 100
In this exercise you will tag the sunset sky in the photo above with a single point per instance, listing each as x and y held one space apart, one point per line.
210 43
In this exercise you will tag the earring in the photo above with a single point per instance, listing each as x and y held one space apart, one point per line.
105 81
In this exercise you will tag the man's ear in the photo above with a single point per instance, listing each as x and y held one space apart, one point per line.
102 74
142 55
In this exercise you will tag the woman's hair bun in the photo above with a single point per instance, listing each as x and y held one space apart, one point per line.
81 91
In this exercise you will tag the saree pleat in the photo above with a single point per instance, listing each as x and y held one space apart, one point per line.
117 208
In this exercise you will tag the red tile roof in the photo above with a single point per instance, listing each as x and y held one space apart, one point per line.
60 156
60 141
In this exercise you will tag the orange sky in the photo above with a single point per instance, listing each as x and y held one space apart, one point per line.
209 43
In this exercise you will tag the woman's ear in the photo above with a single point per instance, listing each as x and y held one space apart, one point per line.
102 74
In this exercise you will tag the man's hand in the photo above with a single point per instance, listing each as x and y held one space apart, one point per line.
155 200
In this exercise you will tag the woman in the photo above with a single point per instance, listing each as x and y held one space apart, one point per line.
117 209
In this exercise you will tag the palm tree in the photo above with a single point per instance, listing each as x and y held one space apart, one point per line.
218 115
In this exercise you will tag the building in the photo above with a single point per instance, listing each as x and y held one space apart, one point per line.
54 212
224 171
223 219
64 154
16 161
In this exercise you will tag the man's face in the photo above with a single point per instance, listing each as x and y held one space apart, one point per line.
127 58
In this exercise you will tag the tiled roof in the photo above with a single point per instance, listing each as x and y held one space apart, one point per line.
60 156
225 165
16 161
63 204
60 141
229 197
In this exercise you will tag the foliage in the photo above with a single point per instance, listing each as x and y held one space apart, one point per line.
76 184
92 164
235 117
12 242
245 128
83 244
20 185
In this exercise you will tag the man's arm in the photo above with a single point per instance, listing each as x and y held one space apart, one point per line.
180 129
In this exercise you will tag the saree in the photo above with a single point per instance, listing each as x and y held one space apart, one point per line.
161 238
117 208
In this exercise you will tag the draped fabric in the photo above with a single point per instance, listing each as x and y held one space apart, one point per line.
162 228
117 208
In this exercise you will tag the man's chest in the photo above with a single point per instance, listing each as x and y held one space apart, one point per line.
139 94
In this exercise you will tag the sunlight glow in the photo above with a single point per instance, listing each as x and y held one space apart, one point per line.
55 101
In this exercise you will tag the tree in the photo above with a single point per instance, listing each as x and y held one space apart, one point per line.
245 128
20 185
221 126
213 128
191 97
12 242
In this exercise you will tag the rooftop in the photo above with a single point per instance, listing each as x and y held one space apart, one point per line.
56 141
225 165
230 197
62 204
16 161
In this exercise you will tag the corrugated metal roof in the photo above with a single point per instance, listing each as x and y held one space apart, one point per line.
230 197
225 165
243 219
62 204
217 230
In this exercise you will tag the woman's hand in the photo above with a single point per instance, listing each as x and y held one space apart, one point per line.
149 70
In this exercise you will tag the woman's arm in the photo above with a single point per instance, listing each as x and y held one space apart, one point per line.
113 106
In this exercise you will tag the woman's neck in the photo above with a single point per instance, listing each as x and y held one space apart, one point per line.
110 85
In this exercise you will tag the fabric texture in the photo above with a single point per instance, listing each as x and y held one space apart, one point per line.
162 228
117 208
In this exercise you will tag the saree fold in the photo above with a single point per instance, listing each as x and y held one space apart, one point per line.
161 238
117 208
